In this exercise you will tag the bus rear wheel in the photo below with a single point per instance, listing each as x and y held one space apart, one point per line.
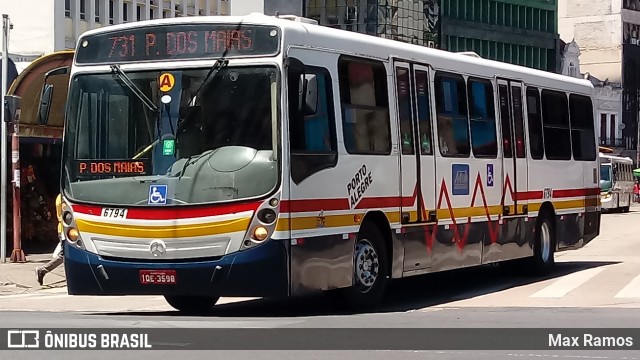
192 304
543 260
370 269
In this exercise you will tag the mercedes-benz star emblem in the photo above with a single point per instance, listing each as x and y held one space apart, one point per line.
157 248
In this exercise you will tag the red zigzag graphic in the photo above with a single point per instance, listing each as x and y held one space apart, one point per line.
461 240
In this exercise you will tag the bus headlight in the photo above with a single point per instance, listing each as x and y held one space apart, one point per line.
260 233
72 234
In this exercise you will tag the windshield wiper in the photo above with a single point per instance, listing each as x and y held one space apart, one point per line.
220 64
136 90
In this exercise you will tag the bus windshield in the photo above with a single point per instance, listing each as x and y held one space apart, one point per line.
172 137
605 177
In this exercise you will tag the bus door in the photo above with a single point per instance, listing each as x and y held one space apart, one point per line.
514 161
417 164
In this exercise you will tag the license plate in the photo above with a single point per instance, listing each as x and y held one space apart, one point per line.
114 213
162 277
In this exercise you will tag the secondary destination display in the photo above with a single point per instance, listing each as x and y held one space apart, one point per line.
111 167
172 42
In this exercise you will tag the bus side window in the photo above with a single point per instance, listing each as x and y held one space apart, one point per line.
316 134
555 118
518 125
534 116
582 128
482 119
424 112
365 106
453 121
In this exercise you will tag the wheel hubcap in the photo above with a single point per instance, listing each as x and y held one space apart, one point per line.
367 265
545 242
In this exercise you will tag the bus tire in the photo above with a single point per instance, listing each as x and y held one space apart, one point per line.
543 260
370 269
192 304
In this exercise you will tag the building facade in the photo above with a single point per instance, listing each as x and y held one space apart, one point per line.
45 26
522 32
608 98
607 33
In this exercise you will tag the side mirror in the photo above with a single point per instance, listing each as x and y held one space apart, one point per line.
309 93
47 93
12 108
57 71
45 104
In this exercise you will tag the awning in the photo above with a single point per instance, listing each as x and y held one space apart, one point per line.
636 172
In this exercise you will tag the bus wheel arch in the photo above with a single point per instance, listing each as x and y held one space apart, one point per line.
372 254
380 220
545 241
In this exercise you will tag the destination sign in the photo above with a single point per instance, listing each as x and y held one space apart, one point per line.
111 167
182 41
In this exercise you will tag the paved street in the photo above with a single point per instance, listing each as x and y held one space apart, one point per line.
597 286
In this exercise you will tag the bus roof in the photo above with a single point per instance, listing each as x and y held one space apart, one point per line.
303 33
614 158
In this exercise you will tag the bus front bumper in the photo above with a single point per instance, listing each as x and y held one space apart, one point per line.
261 271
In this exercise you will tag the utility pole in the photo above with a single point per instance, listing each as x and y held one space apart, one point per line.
3 142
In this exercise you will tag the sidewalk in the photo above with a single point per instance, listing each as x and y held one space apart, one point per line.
20 278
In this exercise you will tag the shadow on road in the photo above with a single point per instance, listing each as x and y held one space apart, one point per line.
402 295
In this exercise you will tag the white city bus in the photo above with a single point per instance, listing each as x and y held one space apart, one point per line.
616 182
262 156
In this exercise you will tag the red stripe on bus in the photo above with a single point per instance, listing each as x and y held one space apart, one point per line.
529 195
173 213
575 192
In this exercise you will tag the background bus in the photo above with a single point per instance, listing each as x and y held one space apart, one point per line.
258 156
616 182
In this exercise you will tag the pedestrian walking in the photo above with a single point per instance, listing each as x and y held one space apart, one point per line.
58 253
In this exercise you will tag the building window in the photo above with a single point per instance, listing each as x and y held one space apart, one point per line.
582 128
555 117
482 119
67 8
97 11
82 10
125 15
452 120
365 106
111 12
572 70
138 12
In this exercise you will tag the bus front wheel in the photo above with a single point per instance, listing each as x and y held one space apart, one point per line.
370 269
192 304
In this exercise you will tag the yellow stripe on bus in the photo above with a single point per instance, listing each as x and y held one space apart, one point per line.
330 221
135 231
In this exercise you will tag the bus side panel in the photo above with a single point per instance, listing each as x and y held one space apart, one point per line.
321 263
512 239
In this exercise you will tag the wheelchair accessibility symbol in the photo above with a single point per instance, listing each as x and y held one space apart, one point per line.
158 194
489 174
